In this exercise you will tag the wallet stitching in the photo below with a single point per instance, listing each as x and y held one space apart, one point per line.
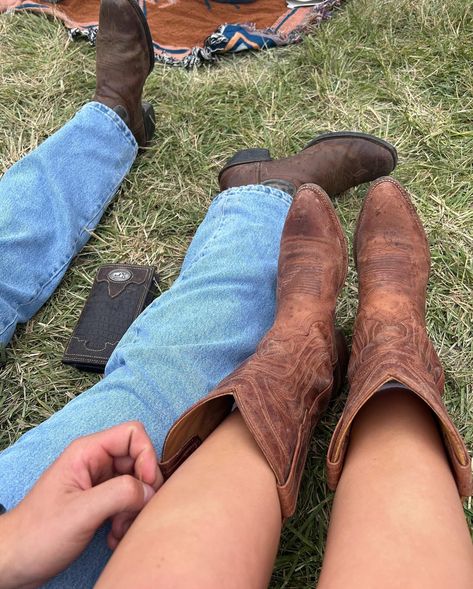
136 313
84 355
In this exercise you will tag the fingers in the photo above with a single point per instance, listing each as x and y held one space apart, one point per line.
125 449
120 526
123 494
124 465
121 523
112 541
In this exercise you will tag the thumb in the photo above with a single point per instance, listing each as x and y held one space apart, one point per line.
122 493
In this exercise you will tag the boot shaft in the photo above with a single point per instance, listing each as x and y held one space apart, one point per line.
125 57
282 389
390 342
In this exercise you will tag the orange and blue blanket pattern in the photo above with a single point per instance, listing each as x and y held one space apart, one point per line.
191 32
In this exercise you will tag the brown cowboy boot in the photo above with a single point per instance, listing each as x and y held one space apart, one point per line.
334 161
285 385
125 58
390 340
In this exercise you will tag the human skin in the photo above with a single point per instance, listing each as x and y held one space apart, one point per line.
111 474
215 523
397 519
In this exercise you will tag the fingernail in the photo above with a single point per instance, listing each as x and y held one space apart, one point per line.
149 492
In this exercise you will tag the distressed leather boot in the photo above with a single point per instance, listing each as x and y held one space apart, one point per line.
334 161
390 343
125 58
282 389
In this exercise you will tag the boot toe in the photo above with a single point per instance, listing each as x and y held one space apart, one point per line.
312 217
389 225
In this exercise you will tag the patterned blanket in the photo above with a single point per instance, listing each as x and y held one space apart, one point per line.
191 32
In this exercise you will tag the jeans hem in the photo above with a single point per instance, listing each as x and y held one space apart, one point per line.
256 188
116 120
231 195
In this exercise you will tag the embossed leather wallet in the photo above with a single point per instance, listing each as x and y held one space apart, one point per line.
119 294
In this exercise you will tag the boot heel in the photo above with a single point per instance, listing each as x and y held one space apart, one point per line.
247 156
149 120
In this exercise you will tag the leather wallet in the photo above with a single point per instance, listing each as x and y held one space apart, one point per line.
119 294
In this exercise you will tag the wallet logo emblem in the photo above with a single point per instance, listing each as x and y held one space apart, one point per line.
119 275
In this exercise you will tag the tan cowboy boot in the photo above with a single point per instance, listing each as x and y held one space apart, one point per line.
334 161
390 341
284 386
125 58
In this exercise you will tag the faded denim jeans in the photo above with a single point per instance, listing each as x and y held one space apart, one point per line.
179 348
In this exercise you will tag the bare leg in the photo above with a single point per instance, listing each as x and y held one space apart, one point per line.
216 522
397 520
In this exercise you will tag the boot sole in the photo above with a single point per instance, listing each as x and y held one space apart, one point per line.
147 32
253 155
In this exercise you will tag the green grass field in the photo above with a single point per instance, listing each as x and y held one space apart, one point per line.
396 68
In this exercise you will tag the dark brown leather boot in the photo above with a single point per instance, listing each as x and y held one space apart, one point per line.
390 341
125 57
334 161
282 389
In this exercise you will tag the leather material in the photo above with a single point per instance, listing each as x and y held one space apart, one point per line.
125 58
3 355
119 294
390 340
336 163
282 389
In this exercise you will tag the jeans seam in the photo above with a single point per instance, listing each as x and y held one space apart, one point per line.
276 194
223 198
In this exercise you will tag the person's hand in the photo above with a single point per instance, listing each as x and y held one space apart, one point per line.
111 474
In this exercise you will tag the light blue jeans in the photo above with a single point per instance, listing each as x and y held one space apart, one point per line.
184 343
